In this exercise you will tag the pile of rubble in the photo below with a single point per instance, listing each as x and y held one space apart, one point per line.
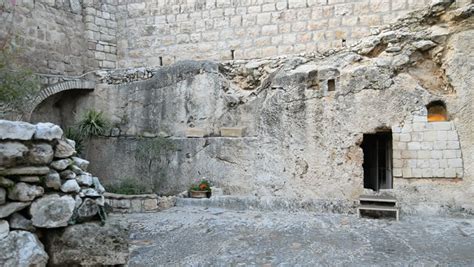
43 186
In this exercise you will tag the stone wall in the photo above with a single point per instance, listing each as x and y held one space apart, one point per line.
138 203
303 137
241 29
426 149
45 190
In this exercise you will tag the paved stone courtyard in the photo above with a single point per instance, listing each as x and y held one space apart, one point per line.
195 236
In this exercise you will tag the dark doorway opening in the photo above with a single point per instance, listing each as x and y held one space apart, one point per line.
377 160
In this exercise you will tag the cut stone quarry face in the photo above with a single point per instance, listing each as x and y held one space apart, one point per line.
52 211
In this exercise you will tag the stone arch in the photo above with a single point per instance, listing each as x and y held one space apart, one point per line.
57 88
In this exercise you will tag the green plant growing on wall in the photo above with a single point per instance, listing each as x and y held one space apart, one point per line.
18 84
74 134
128 186
149 153
93 123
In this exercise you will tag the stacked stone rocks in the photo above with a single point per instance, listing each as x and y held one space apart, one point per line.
43 185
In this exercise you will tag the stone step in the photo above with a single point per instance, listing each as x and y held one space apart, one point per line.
379 208
387 199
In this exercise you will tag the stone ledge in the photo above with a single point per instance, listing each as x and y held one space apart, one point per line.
121 196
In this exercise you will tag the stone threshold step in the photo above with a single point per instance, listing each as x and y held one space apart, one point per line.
379 208
378 198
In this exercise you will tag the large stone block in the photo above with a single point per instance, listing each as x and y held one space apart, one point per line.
25 171
40 154
12 153
64 149
89 244
48 131
16 130
232 131
21 248
12 207
195 132
52 211
25 192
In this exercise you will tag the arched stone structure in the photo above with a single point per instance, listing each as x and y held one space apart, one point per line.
57 88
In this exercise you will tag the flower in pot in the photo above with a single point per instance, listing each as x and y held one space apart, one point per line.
201 188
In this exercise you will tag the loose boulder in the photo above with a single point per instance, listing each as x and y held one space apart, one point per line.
19 222
52 211
89 244
25 192
70 186
16 130
81 163
40 154
60 165
48 131
64 149
52 180
12 153
12 207
87 210
21 248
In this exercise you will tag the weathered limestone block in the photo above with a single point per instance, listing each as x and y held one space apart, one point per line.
70 186
4 229
16 130
12 207
12 153
52 211
25 171
52 180
64 149
48 131
232 131
97 185
84 179
150 204
3 195
40 154
19 222
61 164
21 248
81 163
25 192
195 132
89 244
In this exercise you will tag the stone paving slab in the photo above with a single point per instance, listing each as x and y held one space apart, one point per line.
194 236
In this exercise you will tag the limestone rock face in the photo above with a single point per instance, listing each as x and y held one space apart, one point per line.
48 131
25 192
64 149
12 153
12 207
21 248
16 130
41 154
52 211
89 244
19 222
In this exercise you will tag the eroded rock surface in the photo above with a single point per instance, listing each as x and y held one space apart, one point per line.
52 211
21 248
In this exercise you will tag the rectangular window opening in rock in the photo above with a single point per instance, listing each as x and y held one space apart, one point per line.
232 54
331 85
377 164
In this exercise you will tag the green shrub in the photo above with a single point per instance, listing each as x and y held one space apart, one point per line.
129 186
74 134
93 123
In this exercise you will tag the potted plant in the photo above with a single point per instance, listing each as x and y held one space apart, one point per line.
201 188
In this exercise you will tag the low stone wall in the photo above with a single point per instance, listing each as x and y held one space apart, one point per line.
138 203
44 191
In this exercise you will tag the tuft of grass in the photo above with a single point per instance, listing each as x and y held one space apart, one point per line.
93 123
129 186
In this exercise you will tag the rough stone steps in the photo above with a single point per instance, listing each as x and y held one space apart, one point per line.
378 203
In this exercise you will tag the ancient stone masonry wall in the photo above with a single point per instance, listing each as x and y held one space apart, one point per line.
243 29
426 149
61 37
43 187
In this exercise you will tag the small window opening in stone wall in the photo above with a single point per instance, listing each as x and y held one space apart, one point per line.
437 111
161 61
331 85
232 54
